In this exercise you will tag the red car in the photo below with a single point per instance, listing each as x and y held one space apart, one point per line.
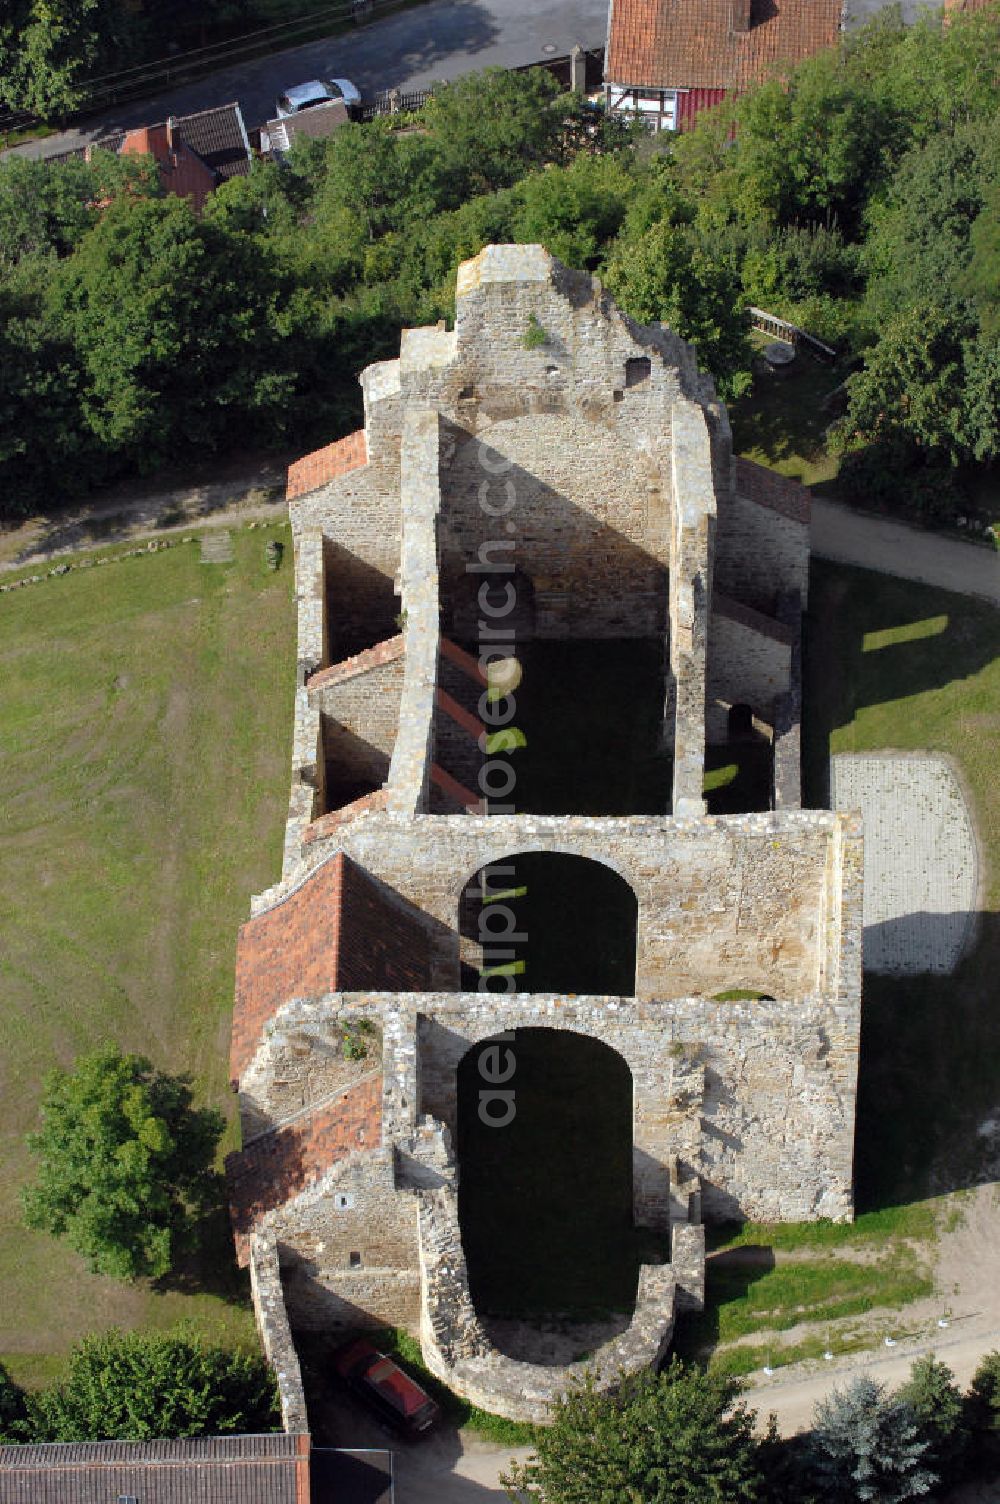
398 1399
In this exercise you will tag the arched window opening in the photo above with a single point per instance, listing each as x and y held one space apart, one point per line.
543 921
545 1183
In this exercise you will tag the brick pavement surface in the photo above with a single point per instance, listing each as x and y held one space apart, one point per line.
921 864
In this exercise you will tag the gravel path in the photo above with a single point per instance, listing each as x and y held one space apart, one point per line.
921 864
870 542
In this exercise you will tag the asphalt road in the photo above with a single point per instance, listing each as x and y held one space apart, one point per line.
410 50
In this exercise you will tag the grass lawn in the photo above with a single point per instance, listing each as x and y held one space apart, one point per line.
144 726
781 422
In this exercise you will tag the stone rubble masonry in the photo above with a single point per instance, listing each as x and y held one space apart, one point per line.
275 1331
303 1064
345 931
724 901
787 771
275 1166
691 562
750 658
763 537
409 771
458 1352
329 824
595 461
358 700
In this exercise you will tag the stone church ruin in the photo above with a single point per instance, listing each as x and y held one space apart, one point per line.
538 599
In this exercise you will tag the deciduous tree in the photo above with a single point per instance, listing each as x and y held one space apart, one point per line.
137 1385
679 1437
125 1163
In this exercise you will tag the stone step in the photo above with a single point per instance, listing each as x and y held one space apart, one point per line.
217 547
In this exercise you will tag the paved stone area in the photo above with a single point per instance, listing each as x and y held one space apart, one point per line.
921 864
217 547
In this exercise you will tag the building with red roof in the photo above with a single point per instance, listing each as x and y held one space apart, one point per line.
669 59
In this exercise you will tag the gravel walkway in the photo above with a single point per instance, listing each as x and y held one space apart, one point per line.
870 542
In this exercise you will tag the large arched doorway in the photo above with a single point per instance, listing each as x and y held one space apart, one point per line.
545 1175
545 921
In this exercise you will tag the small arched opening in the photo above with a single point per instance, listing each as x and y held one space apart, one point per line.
545 1175
547 921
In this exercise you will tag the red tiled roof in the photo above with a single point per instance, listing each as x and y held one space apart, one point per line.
692 44
181 171
327 464
278 1165
779 493
201 1470
340 932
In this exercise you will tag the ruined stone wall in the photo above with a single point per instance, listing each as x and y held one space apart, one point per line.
581 515
718 897
349 1249
749 658
757 1097
763 543
691 565
276 1166
301 1061
363 693
275 1332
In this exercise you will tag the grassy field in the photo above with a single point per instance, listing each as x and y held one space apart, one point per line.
144 729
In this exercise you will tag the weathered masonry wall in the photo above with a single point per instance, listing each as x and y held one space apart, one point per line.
757 1098
730 901
349 1249
362 694
588 514
278 1165
763 542
750 661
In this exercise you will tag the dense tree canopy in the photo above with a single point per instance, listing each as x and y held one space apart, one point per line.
125 1163
859 200
679 1437
134 1385
867 1447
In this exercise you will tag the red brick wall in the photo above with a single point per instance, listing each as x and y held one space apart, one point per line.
383 946
291 951
278 1165
340 932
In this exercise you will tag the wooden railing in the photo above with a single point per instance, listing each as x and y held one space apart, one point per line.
769 323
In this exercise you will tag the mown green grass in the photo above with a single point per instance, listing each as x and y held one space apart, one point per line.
915 1221
814 1290
145 713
